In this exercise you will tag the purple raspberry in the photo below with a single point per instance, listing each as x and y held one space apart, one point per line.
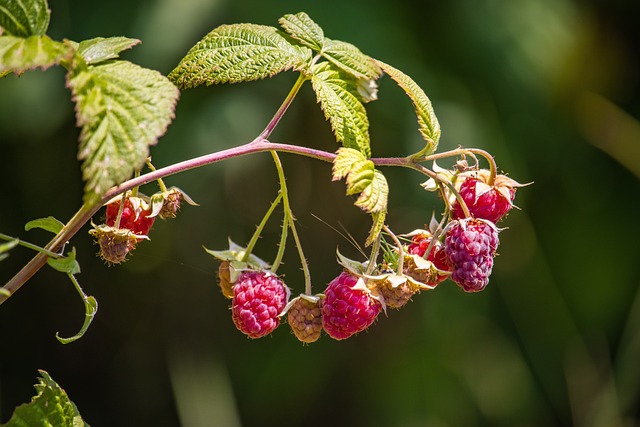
258 299
347 310
470 245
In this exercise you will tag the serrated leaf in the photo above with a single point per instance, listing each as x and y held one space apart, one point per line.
101 49
337 94
348 159
350 59
238 53
49 224
19 54
24 18
303 29
427 120
376 228
122 109
374 196
50 407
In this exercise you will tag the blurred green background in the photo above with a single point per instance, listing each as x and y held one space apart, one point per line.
549 87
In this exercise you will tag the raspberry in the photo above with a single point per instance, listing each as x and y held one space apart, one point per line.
135 216
115 243
171 204
470 245
396 296
348 309
419 245
258 299
484 201
305 318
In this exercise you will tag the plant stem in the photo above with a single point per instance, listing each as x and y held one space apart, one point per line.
266 133
258 232
30 246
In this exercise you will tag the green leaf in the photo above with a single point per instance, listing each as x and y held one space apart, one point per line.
378 222
337 94
50 407
374 196
303 29
66 264
122 109
6 247
427 120
49 224
19 54
350 59
101 49
24 18
238 53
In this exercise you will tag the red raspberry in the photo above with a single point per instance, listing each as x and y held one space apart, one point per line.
143 223
347 310
134 216
484 201
258 299
470 245
419 245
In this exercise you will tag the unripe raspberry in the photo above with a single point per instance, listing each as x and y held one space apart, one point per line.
224 279
305 318
470 245
171 204
485 201
347 308
395 295
115 244
258 299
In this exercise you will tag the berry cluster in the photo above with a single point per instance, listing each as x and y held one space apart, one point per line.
129 219
461 250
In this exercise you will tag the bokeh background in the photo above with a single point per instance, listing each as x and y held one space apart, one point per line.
549 87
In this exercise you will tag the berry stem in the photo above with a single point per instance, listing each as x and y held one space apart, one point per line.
120 210
400 270
258 232
493 169
161 184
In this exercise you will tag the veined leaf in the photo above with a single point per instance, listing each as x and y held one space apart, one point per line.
337 93
101 49
429 126
303 29
122 109
347 160
49 224
237 53
350 59
24 18
19 54
50 407
374 197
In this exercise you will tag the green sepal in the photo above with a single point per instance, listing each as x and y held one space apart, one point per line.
303 29
123 109
24 18
428 122
238 53
337 93
49 224
18 54
101 49
51 406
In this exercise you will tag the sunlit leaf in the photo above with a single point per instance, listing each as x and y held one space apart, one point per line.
19 54
49 407
378 222
49 224
122 109
101 49
427 120
350 59
374 196
237 53
303 29
24 18
338 96
66 264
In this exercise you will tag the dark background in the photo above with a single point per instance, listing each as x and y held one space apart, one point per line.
549 87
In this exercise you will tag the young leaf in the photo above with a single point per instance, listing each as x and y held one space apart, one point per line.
19 54
49 224
429 126
348 160
50 407
238 53
303 29
101 49
122 109
337 94
24 18
378 222
374 197
66 264
350 59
